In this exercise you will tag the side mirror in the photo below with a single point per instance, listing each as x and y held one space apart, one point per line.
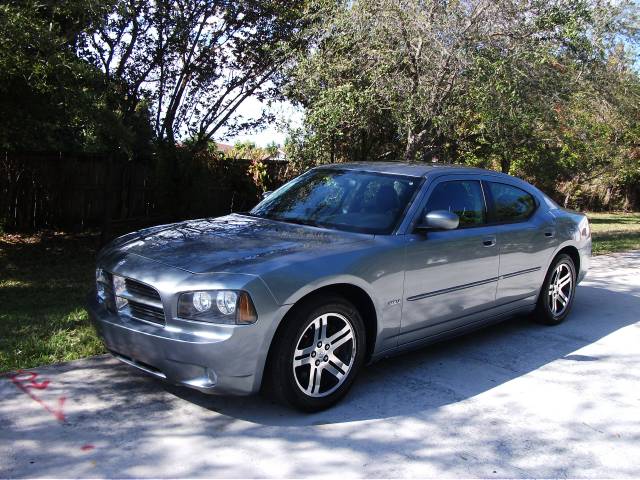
440 220
266 194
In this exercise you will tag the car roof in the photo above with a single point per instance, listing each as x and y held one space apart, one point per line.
436 169
412 169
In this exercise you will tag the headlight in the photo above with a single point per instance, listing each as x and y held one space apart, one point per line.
231 307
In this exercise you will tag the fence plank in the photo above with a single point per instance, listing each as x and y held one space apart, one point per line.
81 191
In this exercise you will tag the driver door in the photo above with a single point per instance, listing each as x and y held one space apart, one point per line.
450 275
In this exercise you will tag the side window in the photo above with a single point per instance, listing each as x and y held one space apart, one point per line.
462 197
512 204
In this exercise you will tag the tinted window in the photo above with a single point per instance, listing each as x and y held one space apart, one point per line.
341 199
462 197
511 203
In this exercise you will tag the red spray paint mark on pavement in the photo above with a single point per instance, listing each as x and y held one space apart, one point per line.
88 447
26 381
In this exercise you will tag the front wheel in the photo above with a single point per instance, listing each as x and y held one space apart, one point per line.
556 296
318 354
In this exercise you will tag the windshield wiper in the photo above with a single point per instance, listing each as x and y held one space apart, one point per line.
297 221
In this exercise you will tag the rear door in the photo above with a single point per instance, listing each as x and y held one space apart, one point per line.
450 275
526 238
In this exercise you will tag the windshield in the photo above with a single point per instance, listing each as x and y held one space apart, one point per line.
341 199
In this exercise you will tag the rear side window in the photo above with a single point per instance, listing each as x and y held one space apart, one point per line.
462 197
511 204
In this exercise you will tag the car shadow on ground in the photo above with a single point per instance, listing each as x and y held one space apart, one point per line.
142 427
450 371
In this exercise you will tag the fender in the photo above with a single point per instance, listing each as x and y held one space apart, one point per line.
337 280
308 289
584 264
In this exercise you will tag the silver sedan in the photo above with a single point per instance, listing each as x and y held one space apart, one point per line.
338 268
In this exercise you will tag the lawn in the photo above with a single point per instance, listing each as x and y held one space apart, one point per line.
43 283
44 279
614 232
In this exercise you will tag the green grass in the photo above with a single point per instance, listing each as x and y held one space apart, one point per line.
43 283
614 232
44 280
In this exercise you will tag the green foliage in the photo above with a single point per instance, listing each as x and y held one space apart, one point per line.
258 173
51 98
129 78
257 169
46 92
545 90
114 75
247 150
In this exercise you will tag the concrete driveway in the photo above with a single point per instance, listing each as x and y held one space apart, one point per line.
514 400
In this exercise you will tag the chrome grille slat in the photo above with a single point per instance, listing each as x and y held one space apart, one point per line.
144 303
142 300
145 312
138 289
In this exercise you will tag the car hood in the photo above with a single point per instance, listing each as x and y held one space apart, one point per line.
233 244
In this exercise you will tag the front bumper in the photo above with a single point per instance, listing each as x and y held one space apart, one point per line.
212 359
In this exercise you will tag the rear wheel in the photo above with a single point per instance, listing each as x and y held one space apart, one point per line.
318 354
556 296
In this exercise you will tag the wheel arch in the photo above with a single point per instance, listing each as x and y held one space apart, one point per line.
355 294
570 250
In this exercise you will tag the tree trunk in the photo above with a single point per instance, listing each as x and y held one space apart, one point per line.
505 165
332 151
410 152
411 149
414 143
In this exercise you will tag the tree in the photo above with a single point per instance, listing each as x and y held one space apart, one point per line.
247 150
543 89
196 61
49 98
599 142
416 62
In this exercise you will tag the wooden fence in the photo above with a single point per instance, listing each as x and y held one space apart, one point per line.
75 192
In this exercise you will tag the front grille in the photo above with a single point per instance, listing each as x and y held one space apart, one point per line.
146 312
143 302
138 289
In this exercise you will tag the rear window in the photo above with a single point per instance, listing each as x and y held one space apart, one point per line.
511 204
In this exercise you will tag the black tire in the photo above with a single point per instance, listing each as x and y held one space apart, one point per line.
284 381
544 312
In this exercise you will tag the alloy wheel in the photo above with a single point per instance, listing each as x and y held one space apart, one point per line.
324 355
560 289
